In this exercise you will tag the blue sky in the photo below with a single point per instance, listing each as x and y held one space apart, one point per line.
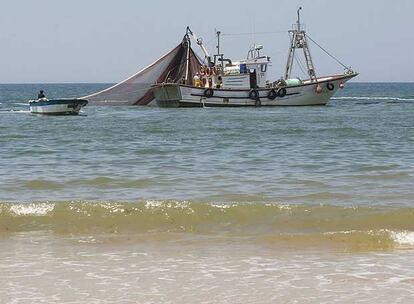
106 41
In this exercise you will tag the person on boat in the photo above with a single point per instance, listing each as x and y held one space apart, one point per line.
210 82
219 82
197 81
41 95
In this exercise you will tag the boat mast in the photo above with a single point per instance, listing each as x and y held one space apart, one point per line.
218 42
187 68
298 41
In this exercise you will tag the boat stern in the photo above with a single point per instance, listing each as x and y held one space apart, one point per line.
167 95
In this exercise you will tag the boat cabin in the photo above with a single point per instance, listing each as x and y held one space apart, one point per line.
250 73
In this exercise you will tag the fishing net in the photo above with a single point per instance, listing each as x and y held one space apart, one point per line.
137 89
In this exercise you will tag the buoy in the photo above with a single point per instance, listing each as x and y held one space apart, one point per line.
318 89
342 85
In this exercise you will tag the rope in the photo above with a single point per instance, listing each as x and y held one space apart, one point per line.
150 85
329 54
112 95
183 63
300 64
253 33
192 54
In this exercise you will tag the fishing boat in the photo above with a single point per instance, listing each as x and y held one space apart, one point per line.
222 82
57 106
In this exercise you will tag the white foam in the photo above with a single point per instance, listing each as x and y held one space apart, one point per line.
345 232
372 98
403 237
19 111
151 204
32 209
221 206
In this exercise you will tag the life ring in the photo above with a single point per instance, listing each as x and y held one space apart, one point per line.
272 94
208 93
281 92
202 71
330 86
254 94
214 71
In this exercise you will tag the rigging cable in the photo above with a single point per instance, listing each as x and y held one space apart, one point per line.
150 85
300 64
330 55
248 34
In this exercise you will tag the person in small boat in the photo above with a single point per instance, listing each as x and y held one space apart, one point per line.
41 95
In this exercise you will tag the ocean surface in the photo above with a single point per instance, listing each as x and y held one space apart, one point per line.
255 205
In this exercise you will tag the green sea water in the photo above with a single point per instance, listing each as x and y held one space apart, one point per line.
357 150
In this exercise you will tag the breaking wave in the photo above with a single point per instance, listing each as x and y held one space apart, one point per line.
354 228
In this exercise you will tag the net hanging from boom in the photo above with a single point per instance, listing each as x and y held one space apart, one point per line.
178 65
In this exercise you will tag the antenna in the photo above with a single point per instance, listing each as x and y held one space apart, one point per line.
253 25
299 9
218 33
218 56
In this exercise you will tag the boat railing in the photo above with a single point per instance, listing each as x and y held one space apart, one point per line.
299 27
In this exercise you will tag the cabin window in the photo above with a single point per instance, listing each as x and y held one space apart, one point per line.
263 68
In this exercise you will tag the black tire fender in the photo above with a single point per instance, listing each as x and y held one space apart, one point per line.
281 92
330 86
272 94
208 93
254 94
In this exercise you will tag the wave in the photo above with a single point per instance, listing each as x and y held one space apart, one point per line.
356 228
349 240
384 98
101 182
21 104
16 111
42 185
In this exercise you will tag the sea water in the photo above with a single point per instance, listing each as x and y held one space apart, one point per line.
255 205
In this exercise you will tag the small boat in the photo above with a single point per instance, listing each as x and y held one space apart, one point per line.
57 106
226 83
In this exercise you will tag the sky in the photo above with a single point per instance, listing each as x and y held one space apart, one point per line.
74 41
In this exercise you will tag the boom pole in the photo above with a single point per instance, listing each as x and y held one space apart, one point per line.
200 43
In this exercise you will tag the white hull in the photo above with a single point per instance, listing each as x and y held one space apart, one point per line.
57 107
175 95
53 109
